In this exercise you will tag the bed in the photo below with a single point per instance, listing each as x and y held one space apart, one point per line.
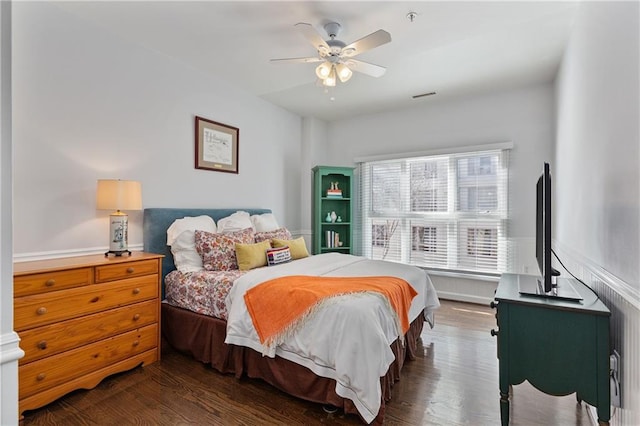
292 366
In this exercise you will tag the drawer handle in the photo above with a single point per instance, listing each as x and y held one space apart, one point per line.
50 282
136 317
136 291
95 299
493 304
41 310
494 332
136 343
40 377
130 270
42 345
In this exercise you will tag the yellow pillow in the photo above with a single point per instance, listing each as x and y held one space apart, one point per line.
252 255
297 247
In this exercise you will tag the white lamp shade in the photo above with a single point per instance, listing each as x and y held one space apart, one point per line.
330 81
323 70
115 194
344 73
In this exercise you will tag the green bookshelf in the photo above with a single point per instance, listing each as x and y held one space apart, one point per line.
333 189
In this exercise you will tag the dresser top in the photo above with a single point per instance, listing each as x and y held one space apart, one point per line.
508 291
48 265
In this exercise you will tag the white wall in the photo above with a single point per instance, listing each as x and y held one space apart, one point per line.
9 350
89 105
314 139
524 116
597 160
597 174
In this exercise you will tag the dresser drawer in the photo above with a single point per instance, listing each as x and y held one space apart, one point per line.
40 375
51 339
51 281
126 270
41 309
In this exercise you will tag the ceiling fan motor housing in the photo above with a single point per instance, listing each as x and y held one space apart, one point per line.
332 28
336 46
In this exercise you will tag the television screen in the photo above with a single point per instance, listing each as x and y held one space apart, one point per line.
543 228
545 285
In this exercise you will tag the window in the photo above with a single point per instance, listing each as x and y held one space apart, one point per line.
424 238
442 212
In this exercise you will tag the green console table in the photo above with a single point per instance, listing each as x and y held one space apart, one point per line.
559 346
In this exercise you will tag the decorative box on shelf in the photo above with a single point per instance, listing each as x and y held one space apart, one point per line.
334 191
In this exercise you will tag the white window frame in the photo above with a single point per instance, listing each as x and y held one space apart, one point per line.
451 220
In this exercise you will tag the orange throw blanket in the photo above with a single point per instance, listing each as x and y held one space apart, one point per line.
278 306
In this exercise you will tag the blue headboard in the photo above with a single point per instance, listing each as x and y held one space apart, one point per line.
157 220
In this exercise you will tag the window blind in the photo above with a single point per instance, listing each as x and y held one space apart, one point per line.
438 211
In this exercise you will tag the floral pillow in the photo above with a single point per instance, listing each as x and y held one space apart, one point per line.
218 251
281 233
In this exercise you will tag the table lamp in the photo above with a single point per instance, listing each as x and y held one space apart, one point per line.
118 195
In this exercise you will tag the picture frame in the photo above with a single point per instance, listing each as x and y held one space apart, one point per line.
216 146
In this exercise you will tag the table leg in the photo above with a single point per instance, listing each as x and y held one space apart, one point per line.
504 408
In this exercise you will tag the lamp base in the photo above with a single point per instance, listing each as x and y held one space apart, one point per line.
117 252
119 232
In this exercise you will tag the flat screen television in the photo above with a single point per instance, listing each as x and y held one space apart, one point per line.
545 285
543 230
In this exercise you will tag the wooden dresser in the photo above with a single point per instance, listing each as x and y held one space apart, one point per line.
81 319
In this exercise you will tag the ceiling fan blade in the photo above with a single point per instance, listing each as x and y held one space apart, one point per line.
311 34
297 60
375 39
365 67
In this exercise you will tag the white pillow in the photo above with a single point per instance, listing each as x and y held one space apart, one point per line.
236 222
265 222
188 223
185 255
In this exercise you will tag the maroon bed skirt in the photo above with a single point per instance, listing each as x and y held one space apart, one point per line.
203 337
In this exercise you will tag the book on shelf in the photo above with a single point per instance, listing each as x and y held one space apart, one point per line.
332 239
334 193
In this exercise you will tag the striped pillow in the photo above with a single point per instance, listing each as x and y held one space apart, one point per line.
278 255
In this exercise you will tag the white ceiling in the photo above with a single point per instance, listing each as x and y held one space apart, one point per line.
453 48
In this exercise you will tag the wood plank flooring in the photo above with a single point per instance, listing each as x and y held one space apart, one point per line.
454 381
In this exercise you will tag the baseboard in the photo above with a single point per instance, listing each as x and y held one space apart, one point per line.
458 297
9 348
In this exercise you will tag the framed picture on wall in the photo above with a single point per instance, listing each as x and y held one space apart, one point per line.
216 146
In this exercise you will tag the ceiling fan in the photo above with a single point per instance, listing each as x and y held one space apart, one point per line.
336 57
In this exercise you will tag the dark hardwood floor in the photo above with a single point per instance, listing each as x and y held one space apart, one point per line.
454 381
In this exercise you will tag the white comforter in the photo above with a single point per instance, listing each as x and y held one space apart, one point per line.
348 340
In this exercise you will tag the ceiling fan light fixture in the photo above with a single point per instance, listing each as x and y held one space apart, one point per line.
344 73
330 81
323 70
335 57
